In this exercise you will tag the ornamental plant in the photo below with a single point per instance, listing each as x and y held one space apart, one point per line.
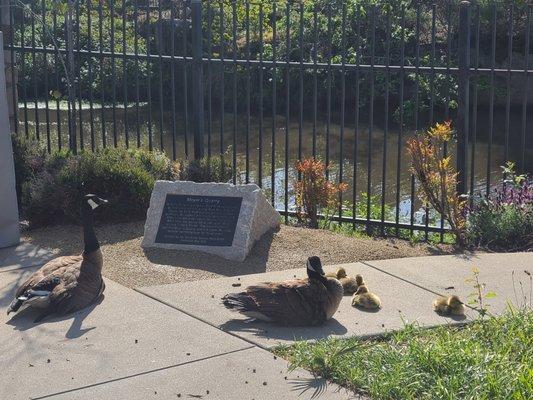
438 177
314 193
503 220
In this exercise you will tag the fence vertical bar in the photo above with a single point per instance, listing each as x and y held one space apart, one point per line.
197 82
474 108
287 106
101 72
248 118
491 96
125 74
90 72
274 108
35 84
45 66
261 78
173 77
234 91
356 112
463 111
526 85
70 80
508 96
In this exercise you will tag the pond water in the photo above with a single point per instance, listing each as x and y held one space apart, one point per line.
133 123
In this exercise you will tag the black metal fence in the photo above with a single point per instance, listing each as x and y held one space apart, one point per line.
268 83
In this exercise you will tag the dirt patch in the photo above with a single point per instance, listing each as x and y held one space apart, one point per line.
128 264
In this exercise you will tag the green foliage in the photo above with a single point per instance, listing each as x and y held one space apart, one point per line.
95 74
207 169
29 157
488 359
503 221
124 177
506 228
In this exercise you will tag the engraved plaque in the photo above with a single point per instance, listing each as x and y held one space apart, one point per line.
198 220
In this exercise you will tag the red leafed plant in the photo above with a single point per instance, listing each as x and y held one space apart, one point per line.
314 193
438 177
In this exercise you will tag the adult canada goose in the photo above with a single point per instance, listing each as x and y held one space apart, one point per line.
70 283
300 302
349 284
450 305
363 298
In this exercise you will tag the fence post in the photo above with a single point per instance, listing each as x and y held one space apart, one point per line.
71 73
463 115
198 78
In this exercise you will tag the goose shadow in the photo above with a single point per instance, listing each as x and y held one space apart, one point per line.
253 264
25 320
287 333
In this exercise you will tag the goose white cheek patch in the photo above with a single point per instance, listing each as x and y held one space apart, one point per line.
92 203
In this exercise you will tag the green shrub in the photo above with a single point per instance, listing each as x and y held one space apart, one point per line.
207 169
124 177
503 221
29 157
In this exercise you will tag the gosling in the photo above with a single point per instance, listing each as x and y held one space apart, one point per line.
365 299
450 305
349 284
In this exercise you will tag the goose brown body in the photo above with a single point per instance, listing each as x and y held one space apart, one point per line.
69 283
300 302
80 282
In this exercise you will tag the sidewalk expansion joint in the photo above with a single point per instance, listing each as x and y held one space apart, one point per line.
140 374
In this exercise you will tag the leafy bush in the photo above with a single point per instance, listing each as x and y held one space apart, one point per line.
503 221
207 169
437 176
124 177
29 156
314 193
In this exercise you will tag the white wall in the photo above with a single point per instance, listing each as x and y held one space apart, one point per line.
9 217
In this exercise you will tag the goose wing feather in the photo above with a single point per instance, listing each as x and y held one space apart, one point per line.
52 269
297 302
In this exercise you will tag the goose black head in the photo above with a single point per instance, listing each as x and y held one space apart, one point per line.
314 268
93 201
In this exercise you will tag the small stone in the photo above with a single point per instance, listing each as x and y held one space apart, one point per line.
238 279
188 354
235 284
30 365
383 325
275 358
285 378
155 391
207 391
48 361
136 341
264 383
179 395
246 382
212 296
253 370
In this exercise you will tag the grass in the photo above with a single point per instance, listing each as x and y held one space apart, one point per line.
488 359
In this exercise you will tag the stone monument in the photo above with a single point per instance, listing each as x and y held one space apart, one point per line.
215 218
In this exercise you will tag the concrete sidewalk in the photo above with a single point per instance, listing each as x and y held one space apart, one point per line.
132 347
407 288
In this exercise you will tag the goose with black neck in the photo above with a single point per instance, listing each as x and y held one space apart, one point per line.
69 283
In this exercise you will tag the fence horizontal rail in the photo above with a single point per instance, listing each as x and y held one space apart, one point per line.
271 63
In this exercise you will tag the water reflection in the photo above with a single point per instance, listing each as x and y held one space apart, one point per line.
356 152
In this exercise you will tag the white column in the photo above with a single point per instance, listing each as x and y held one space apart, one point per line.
9 215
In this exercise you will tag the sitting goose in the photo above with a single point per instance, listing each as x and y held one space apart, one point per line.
300 302
67 284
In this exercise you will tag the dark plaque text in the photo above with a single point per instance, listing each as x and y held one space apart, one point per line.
199 220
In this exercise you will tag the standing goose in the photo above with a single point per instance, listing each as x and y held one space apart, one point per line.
70 283
300 302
